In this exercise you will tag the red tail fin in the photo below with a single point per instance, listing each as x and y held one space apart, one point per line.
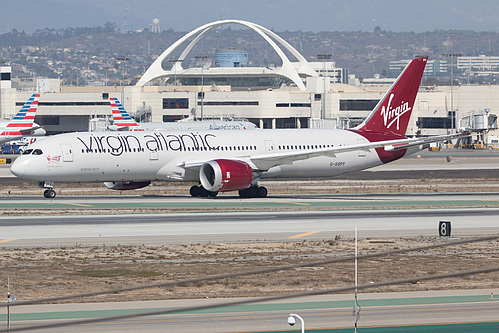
393 111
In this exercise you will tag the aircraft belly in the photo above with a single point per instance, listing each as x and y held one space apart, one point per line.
324 166
108 168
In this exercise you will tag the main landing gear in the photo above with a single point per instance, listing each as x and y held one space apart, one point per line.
250 192
254 192
199 191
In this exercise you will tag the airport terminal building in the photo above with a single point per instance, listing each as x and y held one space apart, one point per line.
63 109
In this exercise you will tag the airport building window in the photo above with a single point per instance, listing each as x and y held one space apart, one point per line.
175 103
48 120
434 122
171 118
229 103
358 104
5 77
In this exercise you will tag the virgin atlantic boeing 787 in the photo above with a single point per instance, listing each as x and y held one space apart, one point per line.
229 160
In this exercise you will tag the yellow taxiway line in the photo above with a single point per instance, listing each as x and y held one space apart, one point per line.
304 234
75 204
7 240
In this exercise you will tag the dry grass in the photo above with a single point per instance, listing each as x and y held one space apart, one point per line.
38 273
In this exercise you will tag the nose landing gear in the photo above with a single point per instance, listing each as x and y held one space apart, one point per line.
49 193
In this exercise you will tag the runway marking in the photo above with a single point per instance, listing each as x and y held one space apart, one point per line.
304 234
75 204
293 203
7 240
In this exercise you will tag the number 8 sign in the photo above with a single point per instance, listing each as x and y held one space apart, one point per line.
444 229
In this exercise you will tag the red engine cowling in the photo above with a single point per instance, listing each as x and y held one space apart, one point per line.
225 175
123 186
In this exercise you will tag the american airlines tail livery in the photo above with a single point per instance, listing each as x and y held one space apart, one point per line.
123 122
222 161
23 122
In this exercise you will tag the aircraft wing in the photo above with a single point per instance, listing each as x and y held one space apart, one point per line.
263 162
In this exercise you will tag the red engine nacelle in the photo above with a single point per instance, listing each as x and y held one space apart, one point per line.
225 175
123 186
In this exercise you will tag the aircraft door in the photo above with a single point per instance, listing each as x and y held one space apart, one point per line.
269 146
67 152
153 155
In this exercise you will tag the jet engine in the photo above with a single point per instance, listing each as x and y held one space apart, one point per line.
225 175
123 186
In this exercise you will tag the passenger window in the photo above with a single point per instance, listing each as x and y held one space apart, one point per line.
27 151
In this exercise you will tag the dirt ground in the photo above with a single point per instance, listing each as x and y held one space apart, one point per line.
40 273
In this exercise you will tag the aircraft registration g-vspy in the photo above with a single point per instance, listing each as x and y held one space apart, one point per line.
124 122
23 122
224 161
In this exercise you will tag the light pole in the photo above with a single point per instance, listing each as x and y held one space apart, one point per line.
292 320
122 60
202 83
324 57
452 55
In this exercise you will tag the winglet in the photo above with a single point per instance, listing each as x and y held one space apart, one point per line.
392 113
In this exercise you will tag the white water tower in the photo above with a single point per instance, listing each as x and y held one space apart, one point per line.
155 26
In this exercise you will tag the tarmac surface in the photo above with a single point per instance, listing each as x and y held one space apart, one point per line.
382 312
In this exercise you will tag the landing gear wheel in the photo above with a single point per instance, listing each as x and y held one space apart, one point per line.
251 192
202 192
49 194
195 191
261 192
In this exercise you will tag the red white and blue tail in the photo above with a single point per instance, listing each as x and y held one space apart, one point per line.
392 113
22 123
121 118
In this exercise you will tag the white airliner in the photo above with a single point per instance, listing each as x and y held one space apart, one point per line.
23 122
123 122
229 160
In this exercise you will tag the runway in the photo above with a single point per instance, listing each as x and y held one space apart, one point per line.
382 216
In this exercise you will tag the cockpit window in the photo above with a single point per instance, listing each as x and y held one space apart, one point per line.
27 151
37 152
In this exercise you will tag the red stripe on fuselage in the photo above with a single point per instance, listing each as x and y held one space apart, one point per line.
27 125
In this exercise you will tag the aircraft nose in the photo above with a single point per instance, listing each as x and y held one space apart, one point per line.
18 169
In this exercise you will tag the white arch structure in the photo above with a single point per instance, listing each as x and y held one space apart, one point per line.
292 71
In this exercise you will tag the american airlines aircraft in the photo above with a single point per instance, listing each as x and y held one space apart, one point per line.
123 122
229 160
23 122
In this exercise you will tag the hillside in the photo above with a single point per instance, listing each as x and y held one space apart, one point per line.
65 52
